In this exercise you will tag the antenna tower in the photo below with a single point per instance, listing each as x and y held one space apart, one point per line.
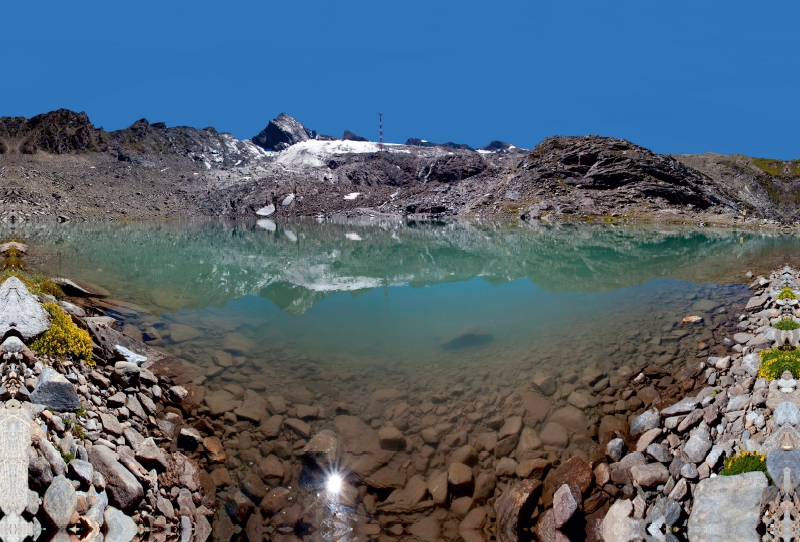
380 131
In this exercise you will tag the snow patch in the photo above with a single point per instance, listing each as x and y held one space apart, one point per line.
353 236
352 195
309 152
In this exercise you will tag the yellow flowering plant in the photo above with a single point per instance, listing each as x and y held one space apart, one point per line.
775 362
744 462
63 337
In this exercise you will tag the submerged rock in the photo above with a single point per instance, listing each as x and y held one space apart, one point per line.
473 336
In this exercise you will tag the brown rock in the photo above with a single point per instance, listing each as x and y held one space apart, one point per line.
461 506
221 477
575 473
298 427
484 487
386 478
517 502
391 438
610 428
554 434
546 385
426 529
459 475
437 487
648 395
214 450
271 470
504 447
534 468
466 454
529 442
253 487
275 501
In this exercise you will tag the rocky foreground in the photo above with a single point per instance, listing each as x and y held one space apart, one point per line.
82 449
58 166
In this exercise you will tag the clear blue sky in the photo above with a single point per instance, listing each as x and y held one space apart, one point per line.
679 77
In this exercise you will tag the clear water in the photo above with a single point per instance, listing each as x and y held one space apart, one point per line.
332 312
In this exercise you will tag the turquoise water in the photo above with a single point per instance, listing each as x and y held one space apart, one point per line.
398 292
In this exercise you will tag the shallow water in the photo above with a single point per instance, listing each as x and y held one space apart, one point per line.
328 313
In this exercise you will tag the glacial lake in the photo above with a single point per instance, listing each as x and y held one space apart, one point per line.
450 318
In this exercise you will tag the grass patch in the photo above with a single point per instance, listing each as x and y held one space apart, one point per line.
769 166
775 362
745 462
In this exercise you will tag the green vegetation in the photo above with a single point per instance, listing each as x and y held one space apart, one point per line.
745 462
775 362
36 284
787 293
775 168
786 324
63 337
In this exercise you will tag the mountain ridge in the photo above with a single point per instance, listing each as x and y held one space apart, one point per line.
59 165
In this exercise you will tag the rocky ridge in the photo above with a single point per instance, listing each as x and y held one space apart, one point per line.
59 165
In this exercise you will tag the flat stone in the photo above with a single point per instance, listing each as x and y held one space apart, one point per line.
778 460
546 385
698 445
619 526
581 400
437 487
299 427
742 338
111 424
54 391
511 427
646 439
554 434
82 471
324 448
126 373
505 467
650 475
214 449
150 455
684 406
738 402
649 419
179 333
727 508
616 447
660 453
21 311
220 402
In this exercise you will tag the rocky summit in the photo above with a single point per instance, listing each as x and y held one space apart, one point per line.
59 166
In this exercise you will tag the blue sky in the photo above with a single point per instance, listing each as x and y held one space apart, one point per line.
680 77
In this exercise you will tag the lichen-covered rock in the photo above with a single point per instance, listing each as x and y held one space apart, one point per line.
727 508
20 311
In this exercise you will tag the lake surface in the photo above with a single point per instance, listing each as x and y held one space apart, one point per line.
372 319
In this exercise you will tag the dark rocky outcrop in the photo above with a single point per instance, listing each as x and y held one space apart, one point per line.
350 136
57 132
281 133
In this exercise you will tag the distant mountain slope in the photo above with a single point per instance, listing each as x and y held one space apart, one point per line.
59 165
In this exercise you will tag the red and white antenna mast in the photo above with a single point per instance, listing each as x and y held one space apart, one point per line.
380 131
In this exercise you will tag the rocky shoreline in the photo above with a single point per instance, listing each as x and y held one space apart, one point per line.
98 461
153 447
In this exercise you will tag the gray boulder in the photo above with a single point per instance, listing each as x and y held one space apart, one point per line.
698 445
21 311
647 420
727 508
60 502
124 490
55 392
126 373
119 527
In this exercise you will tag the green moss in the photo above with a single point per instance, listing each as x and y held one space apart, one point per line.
787 325
775 362
745 462
769 166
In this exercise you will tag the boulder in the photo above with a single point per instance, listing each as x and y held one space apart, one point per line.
20 311
54 391
391 438
124 490
517 502
649 419
698 445
60 502
554 434
459 475
119 527
727 508
126 373
650 475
